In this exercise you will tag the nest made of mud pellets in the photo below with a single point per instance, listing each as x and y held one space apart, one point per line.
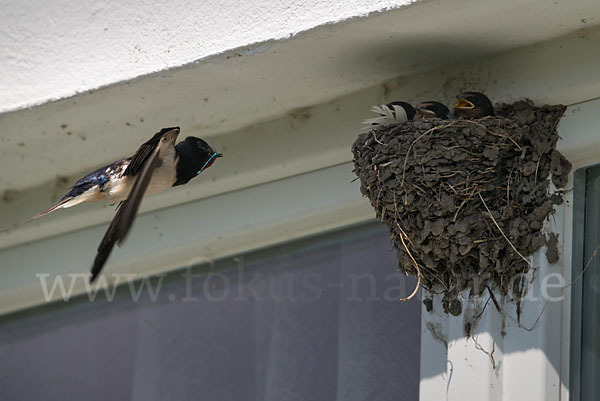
466 200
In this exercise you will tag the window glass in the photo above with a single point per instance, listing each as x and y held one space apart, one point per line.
317 319
590 290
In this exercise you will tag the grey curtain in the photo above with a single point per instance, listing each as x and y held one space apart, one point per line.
314 320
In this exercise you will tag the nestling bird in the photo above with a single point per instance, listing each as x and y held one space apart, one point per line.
390 114
472 105
157 165
431 109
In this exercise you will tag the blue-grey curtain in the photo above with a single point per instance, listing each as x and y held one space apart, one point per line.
314 320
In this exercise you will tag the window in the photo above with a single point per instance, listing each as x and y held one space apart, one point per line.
317 319
585 365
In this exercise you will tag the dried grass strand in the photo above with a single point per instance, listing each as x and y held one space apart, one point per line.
502 232
415 263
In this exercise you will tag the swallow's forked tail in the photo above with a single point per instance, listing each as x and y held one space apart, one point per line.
60 204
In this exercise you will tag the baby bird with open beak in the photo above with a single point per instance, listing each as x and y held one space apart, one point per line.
471 105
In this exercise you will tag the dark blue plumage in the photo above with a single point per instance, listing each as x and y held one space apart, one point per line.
98 178
194 156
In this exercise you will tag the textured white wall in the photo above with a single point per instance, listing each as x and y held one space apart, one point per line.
54 49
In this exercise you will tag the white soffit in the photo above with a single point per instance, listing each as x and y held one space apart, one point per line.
52 54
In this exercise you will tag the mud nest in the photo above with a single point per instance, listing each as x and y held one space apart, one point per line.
466 200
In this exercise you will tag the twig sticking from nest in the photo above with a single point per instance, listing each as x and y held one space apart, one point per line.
414 262
495 133
490 354
502 232
375 138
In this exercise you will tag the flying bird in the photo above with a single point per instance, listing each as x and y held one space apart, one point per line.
472 105
431 109
157 165
390 114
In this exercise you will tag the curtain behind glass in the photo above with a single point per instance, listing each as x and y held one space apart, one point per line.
315 320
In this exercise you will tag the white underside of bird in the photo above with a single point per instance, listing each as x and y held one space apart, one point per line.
119 187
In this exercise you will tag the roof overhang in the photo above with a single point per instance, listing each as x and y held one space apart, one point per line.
228 91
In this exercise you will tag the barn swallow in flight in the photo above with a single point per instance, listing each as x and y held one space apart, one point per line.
472 105
156 166
390 114
431 109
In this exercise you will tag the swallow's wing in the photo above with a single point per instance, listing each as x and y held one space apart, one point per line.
399 114
387 116
142 154
123 220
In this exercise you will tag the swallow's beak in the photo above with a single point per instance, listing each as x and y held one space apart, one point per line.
463 103
423 110
210 161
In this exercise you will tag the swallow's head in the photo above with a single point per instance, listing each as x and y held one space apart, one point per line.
431 109
473 105
194 156
199 152
408 109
